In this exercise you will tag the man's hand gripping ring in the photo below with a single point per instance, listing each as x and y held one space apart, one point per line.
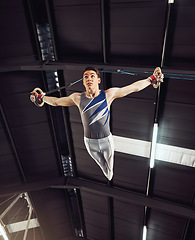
37 97
157 77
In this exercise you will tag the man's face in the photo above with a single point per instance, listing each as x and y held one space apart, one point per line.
90 79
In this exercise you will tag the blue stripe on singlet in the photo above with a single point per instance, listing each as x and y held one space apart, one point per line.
100 108
96 100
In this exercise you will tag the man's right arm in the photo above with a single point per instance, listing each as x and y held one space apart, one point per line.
39 99
73 99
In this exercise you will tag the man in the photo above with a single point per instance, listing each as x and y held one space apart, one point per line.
94 106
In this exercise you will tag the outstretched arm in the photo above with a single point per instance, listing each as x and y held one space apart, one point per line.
134 87
113 93
40 99
63 101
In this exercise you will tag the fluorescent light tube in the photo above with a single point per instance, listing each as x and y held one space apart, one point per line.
153 146
3 233
144 233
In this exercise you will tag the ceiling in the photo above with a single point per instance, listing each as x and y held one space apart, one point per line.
50 188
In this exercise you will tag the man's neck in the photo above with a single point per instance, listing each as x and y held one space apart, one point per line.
92 93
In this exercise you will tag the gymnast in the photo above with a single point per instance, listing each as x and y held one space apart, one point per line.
94 106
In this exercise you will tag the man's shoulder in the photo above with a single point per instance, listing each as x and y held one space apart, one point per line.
76 97
76 94
111 91
110 94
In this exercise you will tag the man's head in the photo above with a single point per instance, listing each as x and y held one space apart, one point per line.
92 69
91 78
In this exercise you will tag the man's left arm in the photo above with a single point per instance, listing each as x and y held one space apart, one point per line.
137 86
134 87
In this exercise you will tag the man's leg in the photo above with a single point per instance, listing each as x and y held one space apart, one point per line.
102 151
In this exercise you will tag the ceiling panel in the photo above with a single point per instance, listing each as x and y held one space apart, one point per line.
128 220
130 172
177 114
78 37
180 44
95 209
165 226
15 41
174 182
53 213
135 37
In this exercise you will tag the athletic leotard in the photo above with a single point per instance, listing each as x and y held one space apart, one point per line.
97 137
95 116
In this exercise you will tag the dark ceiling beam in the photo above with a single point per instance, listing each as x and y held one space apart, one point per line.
51 25
53 129
186 229
78 223
32 27
105 15
38 49
130 196
188 222
30 187
67 126
43 66
103 190
80 67
111 217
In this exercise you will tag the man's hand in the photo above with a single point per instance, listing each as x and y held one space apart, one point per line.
36 96
157 77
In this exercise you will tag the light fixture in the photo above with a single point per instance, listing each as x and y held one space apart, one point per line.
3 233
153 146
144 233
170 1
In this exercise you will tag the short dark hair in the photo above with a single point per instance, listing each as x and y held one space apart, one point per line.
92 69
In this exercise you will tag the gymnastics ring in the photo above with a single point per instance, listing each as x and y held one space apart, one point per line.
38 91
158 69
